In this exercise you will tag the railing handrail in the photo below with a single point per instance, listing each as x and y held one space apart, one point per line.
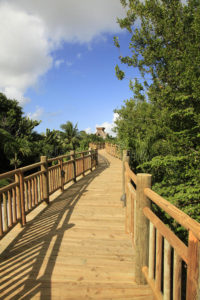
178 215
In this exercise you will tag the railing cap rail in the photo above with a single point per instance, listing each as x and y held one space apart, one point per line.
181 217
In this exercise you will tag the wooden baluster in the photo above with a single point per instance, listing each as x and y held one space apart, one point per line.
5 213
125 159
151 250
36 191
18 197
62 175
41 188
33 192
14 205
52 179
177 277
23 216
193 273
141 239
26 196
158 260
90 160
10 209
127 227
38 188
83 159
30 194
57 178
167 271
132 217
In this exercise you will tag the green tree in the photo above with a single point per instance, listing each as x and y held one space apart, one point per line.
161 124
70 135
17 135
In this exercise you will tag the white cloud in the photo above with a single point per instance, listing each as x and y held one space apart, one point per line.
59 62
75 20
30 30
109 126
88 130
24 51
13 92
37 114
79 55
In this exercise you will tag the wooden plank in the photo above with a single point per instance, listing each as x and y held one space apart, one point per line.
177 277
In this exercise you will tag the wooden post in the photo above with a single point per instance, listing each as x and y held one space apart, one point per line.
90 153
96 156
73 157
193 273
62 175
124 159
45 179
18 197
82 155
22 200
141 228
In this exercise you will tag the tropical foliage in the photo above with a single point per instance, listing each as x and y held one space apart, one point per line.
160 124
22 145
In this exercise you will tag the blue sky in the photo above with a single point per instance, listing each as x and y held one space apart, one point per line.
63 64
82 88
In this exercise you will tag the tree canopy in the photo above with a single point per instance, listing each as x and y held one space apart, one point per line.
160 124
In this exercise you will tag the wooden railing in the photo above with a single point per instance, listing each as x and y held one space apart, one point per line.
33 184
96 145
113 150
159 253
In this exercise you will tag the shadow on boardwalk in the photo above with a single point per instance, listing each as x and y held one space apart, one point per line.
30 254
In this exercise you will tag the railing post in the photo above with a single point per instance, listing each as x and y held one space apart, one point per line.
73 157
90 153
96 156
82 155
193 272
62 174
22 202
141 227
18 196
45 179
125 158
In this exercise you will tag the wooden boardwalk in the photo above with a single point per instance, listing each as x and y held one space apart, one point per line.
76 247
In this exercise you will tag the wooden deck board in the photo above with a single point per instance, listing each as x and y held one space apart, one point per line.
76 247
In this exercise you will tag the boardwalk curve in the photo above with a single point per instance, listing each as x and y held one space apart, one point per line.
76 247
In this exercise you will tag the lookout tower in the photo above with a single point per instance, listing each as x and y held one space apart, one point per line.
100 132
